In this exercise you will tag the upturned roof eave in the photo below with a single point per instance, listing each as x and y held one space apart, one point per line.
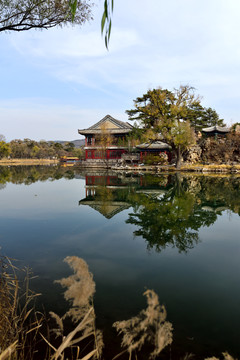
154 146
108 147
121 126
216 128
98 131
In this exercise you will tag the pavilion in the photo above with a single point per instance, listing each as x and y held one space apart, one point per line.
155 147
114 147
216 130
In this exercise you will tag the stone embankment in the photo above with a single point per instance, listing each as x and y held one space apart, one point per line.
212 168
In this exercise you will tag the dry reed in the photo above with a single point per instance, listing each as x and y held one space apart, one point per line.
149 325
226 356
19 324
80 289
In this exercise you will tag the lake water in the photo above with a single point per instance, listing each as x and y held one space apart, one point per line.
178 235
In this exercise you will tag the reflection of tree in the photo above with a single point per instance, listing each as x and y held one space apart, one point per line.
2 186
4 175
105 196
30 174
172 220
221 192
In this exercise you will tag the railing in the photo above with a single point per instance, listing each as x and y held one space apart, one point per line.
131 157
112 143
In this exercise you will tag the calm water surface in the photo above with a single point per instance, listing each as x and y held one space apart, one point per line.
178 235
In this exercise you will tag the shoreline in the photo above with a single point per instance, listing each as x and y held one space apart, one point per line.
20 162
156 169
196 168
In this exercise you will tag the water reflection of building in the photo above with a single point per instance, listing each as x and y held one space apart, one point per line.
104 194
215 209
108 193
108 209
100 180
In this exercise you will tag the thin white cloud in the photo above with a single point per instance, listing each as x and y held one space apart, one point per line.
69 43
152 44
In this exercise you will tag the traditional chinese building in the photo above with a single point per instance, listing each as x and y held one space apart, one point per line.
156 147
105 140
216 131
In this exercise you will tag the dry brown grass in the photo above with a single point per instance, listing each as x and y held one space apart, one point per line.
80 289
226 356
14 162
16 309
149 325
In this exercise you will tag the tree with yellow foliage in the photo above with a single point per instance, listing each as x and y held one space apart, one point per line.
104 139
162 115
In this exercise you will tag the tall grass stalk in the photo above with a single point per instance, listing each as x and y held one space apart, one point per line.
19 324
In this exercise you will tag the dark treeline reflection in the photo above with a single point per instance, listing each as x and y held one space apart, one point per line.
174 217
171 218
167 210
30 174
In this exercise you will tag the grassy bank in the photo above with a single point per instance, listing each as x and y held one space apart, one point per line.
8 162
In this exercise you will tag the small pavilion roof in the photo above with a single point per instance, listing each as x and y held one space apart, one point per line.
114 126
154 145
216 129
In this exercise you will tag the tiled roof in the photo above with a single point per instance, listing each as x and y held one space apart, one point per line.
216 128
109 209
155 145
120 124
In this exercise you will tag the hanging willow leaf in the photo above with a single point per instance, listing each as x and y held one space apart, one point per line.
109 29
73 5
104 16
106 23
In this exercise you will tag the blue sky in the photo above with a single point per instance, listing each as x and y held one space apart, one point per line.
54 82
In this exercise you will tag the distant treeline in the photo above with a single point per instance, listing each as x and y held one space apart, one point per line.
31 149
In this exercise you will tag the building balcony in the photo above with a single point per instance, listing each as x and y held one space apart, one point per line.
113 144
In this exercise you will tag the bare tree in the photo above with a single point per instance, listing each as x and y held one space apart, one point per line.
104 140
20 15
